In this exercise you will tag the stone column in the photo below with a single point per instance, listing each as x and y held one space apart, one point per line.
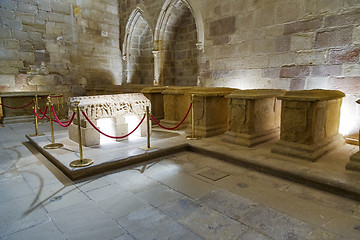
309 123
157 65
354 163
254 116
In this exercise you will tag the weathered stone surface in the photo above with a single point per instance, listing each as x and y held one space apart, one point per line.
60 7
12 24
344 56
303 41
350 85
302 26
42 56
294 72
334 37
297 84
348 18
20 79
8 4
326 70
222 26
7 80
311 57
314 131
282 43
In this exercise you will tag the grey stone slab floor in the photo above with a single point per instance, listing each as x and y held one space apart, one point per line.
167 199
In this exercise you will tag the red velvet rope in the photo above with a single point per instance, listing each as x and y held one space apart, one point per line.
167 128
58 120
18 107
93 125
43 113
53 119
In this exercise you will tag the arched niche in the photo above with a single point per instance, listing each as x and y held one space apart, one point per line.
137 49
178 39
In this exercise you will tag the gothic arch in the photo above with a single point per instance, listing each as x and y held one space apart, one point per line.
179 34
137 48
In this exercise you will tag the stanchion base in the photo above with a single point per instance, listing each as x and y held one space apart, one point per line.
2 126
81 163
34 135
150 148
54 146
192 138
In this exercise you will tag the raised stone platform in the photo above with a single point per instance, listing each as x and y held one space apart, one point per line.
328 173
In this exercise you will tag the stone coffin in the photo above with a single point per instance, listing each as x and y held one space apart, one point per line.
211 110
154 94
254 116
176 104
354 163
117 107
309 123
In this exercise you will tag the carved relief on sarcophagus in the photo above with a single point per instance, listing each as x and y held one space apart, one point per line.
123 111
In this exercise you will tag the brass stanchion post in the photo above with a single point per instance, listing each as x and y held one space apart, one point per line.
80 162
53 145
192 137
36 119
148 145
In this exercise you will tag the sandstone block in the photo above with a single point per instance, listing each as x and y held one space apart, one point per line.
5 13
11 44
351 69
343 19
21 79
294 72
326 70
8 4
349 85
302 26
281 59
27 56
311 57
5 33
334 37
303 41
20 35
317 82
42 57
27 8
12 24
36 80
356 36
61 7
34 27
7 80
9 54
350 55
222 26
282 43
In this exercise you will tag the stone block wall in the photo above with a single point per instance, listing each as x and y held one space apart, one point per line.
58 46
288 44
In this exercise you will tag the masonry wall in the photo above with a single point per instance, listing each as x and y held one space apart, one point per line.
288 44
58 46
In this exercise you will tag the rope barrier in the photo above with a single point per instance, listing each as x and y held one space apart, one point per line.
93 125
43 113
53 119
17 107
172 128
62 123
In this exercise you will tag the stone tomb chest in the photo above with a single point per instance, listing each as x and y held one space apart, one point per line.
123 109
254 116
309 123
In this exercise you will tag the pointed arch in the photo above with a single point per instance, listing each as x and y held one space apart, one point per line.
137 47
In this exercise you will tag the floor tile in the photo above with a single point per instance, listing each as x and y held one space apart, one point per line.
210 224
14 188
150 223
86 221
159 195
179 208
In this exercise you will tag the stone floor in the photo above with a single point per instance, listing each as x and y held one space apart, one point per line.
185 195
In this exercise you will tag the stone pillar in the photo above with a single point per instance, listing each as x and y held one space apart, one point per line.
176 104
211 110
309 123
254 116
354 163
156 67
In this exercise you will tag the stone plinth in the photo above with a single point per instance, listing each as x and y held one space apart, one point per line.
154 94
176 104
354 163
309 123
123 109
254 116
211 110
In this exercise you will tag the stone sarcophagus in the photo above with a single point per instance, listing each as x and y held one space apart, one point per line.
309 123
123 110
254 116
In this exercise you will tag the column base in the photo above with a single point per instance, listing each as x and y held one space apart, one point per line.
308 152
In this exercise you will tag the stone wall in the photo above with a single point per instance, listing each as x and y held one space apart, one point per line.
288 44
58 46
